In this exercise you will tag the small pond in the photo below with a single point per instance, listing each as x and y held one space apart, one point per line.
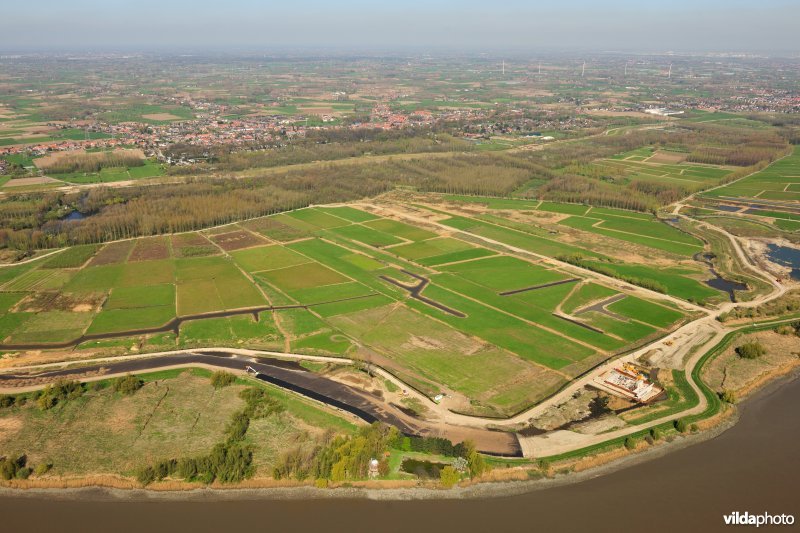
718 282
422 469
729 208
74 215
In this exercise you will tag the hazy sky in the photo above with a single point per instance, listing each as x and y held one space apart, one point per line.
361 25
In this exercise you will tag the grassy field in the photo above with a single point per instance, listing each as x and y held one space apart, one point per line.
414 345
636 230
639 228
150 169
683 282
72 257
500 331
214 287
656 166
235 329
780 181
175 414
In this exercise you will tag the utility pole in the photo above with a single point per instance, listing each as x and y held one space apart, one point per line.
669 74
504 67
583 70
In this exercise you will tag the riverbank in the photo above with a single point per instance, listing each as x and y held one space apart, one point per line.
695 486
111 488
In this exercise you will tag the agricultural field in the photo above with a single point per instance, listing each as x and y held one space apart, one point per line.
656 166
777 184
150 114
150 169
625 244
630 226
435 307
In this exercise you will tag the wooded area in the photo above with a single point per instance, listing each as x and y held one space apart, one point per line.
556 172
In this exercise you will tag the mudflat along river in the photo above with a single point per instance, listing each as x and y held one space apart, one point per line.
753 467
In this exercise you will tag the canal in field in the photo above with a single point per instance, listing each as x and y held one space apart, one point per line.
752 467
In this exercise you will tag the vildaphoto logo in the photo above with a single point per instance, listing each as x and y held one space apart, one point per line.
764 519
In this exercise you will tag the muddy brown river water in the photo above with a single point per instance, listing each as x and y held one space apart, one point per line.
754 467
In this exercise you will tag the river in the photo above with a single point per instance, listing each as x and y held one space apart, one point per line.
752 467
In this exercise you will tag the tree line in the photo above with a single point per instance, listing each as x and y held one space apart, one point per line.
31 221
93 162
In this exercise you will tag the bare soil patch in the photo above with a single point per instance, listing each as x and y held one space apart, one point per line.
113 253
188 239
669 158
24 182
10 425
160 116
236 240
610 113
58 301
192 245
317 110
149 249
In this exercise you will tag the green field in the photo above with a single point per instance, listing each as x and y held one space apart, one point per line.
484 309
680 282
72 257
780 181
150 169
637 165
141 296
630 226
367 235
216 288
267 258
400 229
431 248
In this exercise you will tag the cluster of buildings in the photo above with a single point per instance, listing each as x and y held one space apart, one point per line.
517 122
744 100
629 382
213 127
383 117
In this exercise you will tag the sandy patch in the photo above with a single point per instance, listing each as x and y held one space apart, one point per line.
161 116
10 425
236 240
23 182
425 343
667 157
318 110
610 113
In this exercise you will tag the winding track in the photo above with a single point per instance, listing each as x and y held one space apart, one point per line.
285 374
